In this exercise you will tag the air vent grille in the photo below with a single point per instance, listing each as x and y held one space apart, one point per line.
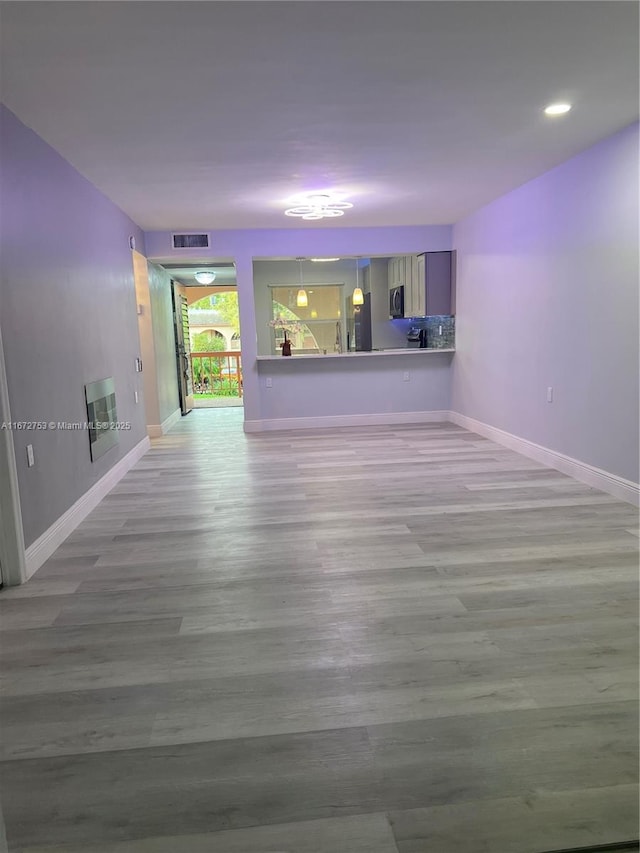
190 241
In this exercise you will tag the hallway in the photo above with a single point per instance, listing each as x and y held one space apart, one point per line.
376 640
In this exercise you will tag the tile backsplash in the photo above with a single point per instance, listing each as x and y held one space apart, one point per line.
435 340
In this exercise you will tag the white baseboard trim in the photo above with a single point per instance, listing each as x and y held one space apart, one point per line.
620 488
158 430
44 546
171 421
376 419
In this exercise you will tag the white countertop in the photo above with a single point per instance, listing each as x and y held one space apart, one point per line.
373 354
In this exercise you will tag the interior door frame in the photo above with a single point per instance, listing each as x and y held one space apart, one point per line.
12 551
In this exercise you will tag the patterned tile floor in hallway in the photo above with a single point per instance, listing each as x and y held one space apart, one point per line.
376 640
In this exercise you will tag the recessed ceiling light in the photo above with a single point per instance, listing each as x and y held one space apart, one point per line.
204 276
323 260
557 109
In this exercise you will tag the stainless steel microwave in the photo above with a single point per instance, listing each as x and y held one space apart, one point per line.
396 302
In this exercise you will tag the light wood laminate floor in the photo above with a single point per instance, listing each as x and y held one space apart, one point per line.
376 640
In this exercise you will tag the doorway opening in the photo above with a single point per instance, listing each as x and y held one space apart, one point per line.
215 347
207 330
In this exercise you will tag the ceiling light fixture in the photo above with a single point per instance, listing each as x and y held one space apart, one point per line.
358 295
557 109
204 276
323 260
318 206
302 300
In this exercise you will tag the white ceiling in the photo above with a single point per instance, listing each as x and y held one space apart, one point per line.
206 115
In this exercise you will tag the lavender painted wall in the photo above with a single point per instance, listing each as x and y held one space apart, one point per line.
68 315
547 295
354 385
309 242
164 341
331 390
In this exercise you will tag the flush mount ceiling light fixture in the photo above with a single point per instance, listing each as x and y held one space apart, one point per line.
318 206
323 260
358 295
557 109
302 300
204 276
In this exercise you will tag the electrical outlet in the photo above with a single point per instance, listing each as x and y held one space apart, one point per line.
549 394
406 376
269 382
30 457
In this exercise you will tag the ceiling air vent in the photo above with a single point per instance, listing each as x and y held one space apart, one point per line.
190 241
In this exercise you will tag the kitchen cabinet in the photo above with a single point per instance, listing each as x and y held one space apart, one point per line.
414 287
434 274
396 272
421 301
427 280
428 284
401 274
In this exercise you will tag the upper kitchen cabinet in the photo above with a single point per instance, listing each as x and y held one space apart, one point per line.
435 284
397 274
427 280
402 273
413 290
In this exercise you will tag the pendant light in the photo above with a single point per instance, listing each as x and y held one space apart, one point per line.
302 300
358 296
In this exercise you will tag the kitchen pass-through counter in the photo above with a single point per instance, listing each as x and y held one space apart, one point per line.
355 355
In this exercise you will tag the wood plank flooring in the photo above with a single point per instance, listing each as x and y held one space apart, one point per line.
377 640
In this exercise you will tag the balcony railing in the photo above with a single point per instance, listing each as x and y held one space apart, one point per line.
217 373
